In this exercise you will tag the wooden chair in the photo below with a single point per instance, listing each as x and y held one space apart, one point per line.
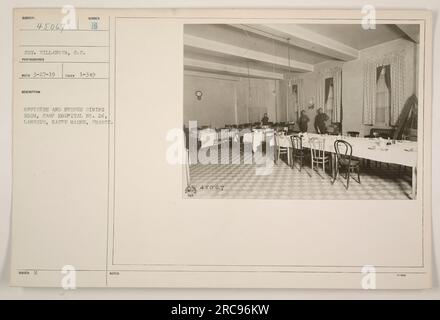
380 133
297 150
317 152
353 134
409 137
282 145
345 161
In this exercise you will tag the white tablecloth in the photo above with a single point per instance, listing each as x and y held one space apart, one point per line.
208 137
402 152
257 137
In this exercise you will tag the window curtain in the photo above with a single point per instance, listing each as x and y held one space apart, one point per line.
387 70
370 69
337 95
293 111
300 92
321 90
329 101
328 83
394 80
397 72
383 83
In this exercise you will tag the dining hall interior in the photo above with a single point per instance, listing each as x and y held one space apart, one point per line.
337 102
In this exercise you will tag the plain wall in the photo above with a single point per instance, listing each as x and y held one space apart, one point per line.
283 98
226 100
257 93
216 108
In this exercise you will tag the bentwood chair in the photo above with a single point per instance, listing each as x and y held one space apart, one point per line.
297 151
409 137
353 134
282 145
317 152
381 133
345 161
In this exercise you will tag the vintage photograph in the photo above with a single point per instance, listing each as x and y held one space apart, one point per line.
301 111
221 149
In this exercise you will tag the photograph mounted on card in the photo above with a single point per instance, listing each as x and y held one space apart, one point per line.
222 148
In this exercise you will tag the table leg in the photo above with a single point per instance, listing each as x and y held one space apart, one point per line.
414 182
333 165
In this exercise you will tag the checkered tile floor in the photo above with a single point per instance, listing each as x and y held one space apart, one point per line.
241 181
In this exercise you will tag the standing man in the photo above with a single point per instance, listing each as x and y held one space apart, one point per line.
265 120
303 120
320 119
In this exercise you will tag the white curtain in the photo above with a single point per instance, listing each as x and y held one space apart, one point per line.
320 91
336 75
397 65
397 69
337 92
293 110
370 70
329 105
300 94
382 100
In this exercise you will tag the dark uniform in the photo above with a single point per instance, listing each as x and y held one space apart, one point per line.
303 121
320 120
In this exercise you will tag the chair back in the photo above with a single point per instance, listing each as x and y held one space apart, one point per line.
296 142
344 152
353 134
317 148
281 140
381 133
409 137
208 137
277 138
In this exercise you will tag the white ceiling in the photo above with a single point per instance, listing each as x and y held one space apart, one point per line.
355 36
234 36
271 50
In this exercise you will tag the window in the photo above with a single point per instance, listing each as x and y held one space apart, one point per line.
294 111
383 96
329 98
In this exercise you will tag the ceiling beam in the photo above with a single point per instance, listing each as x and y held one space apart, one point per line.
304 38
411 31
212 75
215 67
244 53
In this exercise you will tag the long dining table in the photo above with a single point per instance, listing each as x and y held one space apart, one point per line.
400 152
